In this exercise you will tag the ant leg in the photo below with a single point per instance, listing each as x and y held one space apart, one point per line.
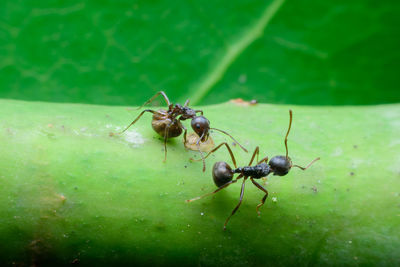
215 149
244 149
215 191
201 153
238 205
154 97
262 160
186 103
198 110
135 120
264 198
256 152
184 134
165 141
305 168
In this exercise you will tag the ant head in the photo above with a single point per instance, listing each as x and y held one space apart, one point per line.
222 173
201 125
280 165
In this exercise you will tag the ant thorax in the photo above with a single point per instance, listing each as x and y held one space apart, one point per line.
184 112
188 113
175 110
256 172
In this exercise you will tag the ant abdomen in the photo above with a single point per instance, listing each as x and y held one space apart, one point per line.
222 173
280 165
160 122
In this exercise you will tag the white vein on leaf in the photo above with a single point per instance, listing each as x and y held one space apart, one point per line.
233 51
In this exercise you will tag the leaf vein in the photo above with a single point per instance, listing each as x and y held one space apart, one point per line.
233 51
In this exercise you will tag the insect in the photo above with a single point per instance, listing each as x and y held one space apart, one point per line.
167 123
223 174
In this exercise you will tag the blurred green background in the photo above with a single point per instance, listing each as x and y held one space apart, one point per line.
117 52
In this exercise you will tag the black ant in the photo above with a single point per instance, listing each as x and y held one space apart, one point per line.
223 173
167 123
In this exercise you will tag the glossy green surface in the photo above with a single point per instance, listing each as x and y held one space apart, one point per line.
277 51
70 193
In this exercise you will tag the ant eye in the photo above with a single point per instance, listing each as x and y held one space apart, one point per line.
198 126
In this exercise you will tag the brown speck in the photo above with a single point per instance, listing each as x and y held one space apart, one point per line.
75 261
185 166
10 131
351 173
315 189
50 125
111 134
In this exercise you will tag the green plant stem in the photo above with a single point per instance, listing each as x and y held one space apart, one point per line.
71 193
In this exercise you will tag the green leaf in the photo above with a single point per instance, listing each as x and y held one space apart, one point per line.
71 193
277 51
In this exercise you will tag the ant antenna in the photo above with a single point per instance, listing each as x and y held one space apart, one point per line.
134 121
290 125
305 168
244 149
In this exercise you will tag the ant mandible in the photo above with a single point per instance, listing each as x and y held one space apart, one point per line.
167 123
223 174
